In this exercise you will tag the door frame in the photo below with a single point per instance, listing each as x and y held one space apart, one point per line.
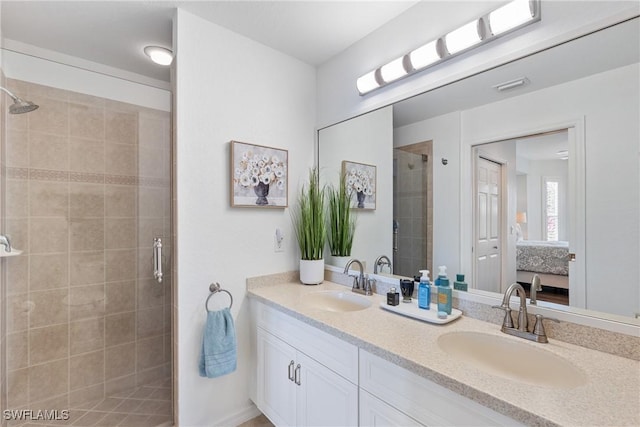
577 199
478 153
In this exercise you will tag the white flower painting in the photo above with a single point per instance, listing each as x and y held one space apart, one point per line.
361 182
259 176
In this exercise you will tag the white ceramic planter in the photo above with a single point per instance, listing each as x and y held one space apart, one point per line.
312 271
340 261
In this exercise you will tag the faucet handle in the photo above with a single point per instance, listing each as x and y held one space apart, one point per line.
508 320
538 327
356 281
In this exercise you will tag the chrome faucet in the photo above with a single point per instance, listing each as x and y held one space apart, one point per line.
361 284
381 261
4 240
538 333
536 286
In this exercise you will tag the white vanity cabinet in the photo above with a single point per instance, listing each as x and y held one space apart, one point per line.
311 379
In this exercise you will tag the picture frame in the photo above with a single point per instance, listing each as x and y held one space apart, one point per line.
259 176
361 179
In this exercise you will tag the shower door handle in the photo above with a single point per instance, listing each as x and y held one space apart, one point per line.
157 259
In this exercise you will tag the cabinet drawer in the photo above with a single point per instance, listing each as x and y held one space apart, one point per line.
337 355
421 399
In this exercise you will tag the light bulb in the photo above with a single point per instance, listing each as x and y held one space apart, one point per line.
462 38
424 56
509 16
159 55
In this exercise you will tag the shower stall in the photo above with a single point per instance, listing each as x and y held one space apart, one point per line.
85 322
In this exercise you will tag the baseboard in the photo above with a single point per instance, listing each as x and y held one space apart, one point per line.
244 415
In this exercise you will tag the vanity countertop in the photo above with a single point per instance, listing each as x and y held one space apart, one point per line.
610 398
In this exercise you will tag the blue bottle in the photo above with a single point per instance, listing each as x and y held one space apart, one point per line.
445 296
424 290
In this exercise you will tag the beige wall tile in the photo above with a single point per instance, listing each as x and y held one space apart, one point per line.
151 162
49 379
50 199
18 388
119 328
120 200
145 265
48 235
18 231
81 98
121 265
86 121
86 369
17 275
86 200
150 375
121 127
17 199
48 151
152 131
86 234
120 233
120 360
150 228
17 148
86 302
150 353
118 385
150 322
120 296
86 155
87 268
37 91
48 343
121 159
151 202
49 307
18 308
16 121
52 117
17 350
86 335
150 293
48 271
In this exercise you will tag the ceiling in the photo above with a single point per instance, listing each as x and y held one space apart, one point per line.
113 33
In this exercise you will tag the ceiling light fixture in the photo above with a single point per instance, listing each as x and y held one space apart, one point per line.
159 55
504 20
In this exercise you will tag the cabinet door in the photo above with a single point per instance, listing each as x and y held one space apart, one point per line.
276 391
324 398
375 413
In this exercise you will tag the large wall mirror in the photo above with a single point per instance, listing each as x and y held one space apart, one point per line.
540 176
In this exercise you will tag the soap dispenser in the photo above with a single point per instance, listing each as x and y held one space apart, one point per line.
444 291
424 291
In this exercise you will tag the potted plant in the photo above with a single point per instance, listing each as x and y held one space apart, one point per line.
310 227
341 222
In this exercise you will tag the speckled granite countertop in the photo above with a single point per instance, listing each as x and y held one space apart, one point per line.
610 398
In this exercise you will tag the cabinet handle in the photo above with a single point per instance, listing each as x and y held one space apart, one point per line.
297 374
290 370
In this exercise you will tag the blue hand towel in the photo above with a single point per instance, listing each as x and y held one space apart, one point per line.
219 347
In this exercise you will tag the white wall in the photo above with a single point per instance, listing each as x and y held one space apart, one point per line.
366 139
55 74
338 98
229 87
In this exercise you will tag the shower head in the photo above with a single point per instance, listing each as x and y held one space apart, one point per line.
19 105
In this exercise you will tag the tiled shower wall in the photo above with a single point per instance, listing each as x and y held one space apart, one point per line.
3 289
87 189
411 208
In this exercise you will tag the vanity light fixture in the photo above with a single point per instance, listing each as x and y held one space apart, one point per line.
501 21
159 55
511 84
464 37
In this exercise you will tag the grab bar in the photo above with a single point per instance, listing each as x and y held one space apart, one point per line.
157 259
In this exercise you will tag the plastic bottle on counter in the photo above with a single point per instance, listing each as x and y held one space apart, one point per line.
424 291
445 295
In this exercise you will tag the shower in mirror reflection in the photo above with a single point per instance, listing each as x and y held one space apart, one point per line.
19 106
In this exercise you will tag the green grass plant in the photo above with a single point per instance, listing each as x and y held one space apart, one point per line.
341 219
309 218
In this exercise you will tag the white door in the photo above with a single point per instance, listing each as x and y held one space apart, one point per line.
324 398
276 388
487 250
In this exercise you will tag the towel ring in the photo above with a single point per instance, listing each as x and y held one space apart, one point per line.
215 288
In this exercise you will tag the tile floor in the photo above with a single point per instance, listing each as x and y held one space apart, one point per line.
144 406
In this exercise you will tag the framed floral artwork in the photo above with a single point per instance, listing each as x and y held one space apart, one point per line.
361 181
259 176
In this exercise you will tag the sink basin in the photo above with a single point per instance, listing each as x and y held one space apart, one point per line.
337 301
508 358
